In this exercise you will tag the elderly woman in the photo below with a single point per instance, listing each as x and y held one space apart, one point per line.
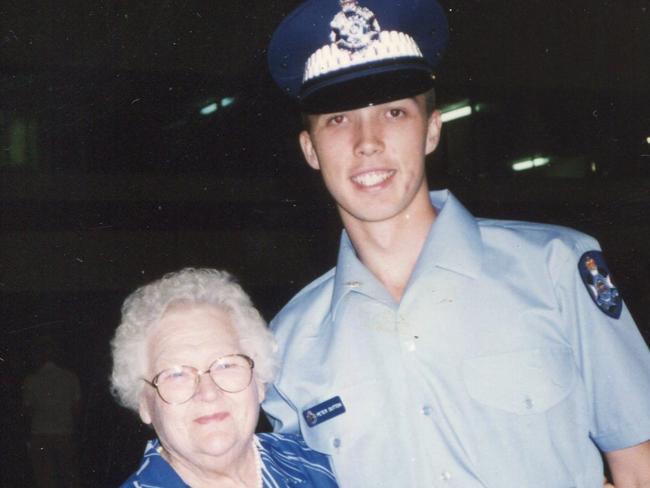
193 357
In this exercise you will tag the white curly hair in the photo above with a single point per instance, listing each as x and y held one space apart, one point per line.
144 307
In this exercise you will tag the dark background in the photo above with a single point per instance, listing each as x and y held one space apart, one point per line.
110 176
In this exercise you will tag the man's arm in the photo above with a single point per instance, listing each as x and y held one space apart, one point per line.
280 413
630 467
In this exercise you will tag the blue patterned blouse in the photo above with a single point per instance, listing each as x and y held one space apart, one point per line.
287 462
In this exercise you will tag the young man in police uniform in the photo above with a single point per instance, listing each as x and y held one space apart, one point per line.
443 350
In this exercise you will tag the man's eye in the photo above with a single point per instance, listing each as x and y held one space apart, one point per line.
335 120
395 112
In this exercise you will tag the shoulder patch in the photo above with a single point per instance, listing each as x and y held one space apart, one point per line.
596 277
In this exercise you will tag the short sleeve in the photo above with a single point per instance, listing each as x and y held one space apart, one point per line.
612 356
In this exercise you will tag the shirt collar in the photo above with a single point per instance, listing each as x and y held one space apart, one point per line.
454 240
352 275
453 243
274 469
156 470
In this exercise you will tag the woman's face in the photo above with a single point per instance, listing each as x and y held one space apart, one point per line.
213 425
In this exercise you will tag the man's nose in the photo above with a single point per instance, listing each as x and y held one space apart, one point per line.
369 137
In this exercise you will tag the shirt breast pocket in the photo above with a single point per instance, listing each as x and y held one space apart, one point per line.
523 382
352 423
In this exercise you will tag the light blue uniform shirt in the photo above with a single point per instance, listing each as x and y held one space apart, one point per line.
496 369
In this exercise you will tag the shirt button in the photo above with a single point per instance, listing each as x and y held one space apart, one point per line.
445 476
336 442
427 410
529 403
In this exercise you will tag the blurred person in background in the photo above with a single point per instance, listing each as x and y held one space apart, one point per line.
52 400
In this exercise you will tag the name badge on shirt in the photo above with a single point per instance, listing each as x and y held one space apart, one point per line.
323 411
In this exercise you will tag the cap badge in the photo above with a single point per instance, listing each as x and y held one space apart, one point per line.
354 27
357 39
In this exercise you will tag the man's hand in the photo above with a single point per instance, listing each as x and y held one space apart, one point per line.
630 467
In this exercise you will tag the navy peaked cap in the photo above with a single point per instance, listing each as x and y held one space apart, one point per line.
333 55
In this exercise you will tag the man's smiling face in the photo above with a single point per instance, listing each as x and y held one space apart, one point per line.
372 158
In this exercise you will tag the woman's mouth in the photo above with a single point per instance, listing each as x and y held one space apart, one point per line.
215 417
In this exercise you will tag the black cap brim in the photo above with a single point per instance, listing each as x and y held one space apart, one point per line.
373 85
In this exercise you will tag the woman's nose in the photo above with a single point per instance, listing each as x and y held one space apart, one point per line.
207 390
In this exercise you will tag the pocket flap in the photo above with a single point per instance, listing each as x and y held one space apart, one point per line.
522 382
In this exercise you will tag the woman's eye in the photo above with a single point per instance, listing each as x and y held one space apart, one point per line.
174 375
222 366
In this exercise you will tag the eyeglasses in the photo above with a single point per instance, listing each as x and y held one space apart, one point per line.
232 374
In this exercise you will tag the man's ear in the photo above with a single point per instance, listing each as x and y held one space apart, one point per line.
308 150
433 132
143 409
